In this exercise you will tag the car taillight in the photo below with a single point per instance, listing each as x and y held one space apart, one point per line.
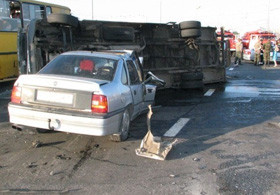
16 95
99 104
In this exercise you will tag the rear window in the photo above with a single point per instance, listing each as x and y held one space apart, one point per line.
82 66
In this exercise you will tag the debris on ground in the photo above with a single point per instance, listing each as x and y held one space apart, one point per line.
275 124
96 145
32 165
62 157
172 176
37 144
153 147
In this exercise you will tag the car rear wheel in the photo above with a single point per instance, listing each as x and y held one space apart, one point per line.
124 128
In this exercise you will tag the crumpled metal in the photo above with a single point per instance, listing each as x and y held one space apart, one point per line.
151 146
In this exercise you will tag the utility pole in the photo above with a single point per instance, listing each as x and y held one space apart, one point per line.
92 9
160 11
268 16
223 45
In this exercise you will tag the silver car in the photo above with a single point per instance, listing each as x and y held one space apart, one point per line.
92 93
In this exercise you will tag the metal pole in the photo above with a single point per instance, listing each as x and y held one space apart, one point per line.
92 9
223 45
268 16
160 11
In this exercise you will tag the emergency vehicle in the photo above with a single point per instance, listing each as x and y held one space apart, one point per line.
250 38
228 35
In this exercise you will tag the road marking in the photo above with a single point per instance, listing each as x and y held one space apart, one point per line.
240 101
176 128
209 92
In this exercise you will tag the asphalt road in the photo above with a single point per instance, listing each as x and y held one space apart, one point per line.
230 145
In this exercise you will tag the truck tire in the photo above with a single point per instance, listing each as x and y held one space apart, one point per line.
192 84
63 19
189 25
118 33
192 76
188 33
124 128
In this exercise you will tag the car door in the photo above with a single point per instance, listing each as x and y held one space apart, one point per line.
136 87
149 96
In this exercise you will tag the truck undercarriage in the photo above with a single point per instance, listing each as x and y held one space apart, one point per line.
185 55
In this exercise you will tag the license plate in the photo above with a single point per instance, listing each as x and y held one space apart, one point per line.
55 97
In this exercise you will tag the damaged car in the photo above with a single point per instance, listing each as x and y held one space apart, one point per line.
84 92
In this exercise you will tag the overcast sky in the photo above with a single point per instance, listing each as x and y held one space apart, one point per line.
237 15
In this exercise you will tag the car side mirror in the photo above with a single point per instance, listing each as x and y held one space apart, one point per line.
151 78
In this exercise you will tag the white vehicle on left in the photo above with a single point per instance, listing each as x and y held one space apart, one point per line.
84 92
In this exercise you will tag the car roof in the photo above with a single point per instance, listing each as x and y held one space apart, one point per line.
112 54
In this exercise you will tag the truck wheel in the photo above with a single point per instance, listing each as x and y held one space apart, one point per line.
118 33
63 19
192 76
124 128
192 84
187 33
189 25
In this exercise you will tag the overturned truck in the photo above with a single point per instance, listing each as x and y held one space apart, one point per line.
185 55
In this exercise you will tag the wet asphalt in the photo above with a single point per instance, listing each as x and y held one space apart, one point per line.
229 146
242 114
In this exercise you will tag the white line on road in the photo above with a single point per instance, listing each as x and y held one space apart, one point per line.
209 92
176 128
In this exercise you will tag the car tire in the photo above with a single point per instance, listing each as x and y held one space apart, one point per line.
63 19
190 25
188 33
124 128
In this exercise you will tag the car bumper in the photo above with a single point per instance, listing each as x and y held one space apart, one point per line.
88 125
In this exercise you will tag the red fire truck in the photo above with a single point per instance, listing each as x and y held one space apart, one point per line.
250 38
228 35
